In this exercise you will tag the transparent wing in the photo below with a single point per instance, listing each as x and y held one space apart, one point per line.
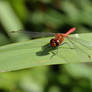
36 34
40 34
83 42
82 47
75 52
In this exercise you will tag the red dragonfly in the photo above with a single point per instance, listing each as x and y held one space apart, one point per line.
58 40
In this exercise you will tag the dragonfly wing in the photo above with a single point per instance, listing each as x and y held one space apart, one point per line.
82 50
74 52
39 34
34 34
71 54
83 42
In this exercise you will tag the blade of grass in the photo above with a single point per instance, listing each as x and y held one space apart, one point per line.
10 21
37 53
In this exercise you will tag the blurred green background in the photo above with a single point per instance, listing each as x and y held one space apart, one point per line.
45 16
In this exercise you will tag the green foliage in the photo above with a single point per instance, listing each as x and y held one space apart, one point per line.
51 16
38 52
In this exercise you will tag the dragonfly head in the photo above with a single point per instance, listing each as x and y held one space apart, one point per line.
54 42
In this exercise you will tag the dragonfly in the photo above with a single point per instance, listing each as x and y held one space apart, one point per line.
59 39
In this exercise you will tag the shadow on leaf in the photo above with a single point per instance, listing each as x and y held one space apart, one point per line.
46 49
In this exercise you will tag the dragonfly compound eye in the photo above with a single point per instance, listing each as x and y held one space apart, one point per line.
54 42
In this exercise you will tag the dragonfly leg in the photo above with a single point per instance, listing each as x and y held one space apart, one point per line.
57 49
54 54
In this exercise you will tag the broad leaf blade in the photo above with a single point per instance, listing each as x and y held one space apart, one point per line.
37 53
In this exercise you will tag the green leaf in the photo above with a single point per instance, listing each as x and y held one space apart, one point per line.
38 52
10 22
3 39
